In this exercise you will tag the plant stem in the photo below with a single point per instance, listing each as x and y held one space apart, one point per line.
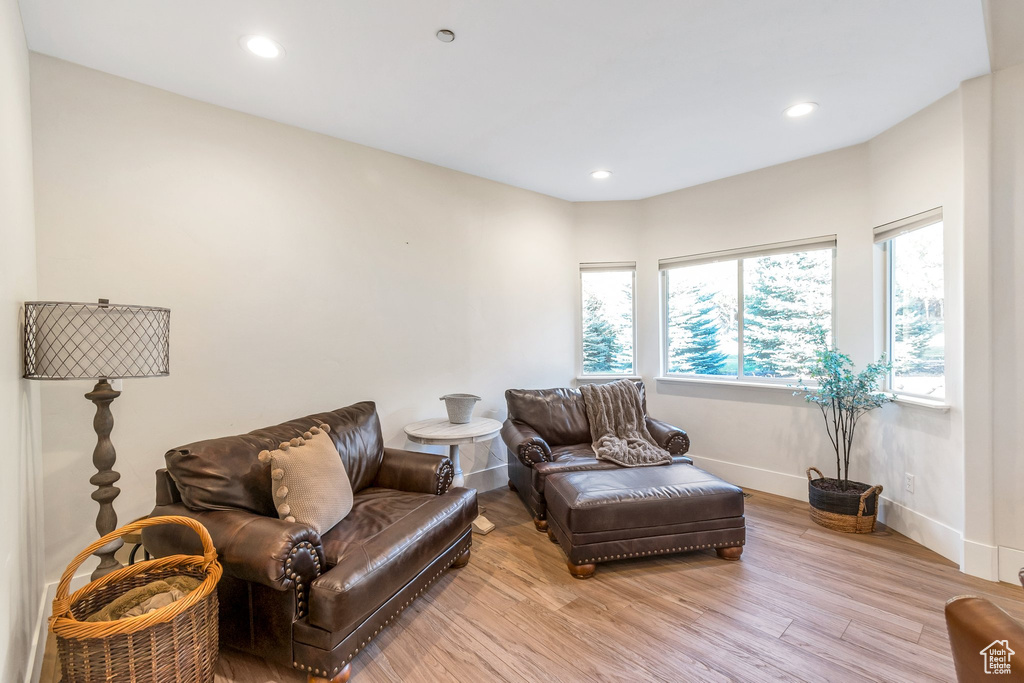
844 420
849 446
835 428
824 416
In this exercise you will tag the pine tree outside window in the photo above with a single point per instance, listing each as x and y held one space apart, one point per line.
608 330
702 332
787 309
914 280
754 314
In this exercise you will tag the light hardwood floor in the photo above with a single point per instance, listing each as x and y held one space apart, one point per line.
804 603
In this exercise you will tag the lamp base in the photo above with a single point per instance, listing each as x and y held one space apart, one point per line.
104 457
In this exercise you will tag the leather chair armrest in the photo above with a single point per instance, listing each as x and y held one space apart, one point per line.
281 555
415 472
672 439
167 492
973 624
525 442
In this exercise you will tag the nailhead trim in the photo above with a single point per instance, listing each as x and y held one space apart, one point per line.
445 476
301 588
664 551
683 446
527 448
394 616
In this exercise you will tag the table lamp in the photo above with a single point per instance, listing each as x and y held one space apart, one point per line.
100 341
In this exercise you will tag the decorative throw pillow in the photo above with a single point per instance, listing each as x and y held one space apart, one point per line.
308 480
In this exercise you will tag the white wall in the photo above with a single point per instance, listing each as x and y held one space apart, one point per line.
912 167
1007 203
765 438
303 273
993 133
980 555
21 587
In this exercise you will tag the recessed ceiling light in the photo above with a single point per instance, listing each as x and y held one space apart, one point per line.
601 174
261 46
445 36
801 109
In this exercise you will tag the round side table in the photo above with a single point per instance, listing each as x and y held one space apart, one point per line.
440 432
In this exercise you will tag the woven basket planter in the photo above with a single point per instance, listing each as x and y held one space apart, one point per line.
174 643
852 512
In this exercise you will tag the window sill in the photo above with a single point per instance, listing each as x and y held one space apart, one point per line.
604 378
926 403
726 383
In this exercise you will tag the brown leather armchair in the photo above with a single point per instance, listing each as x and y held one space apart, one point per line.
547 431
976 628
312 601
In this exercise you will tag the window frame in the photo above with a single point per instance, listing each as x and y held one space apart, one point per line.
605 267
738 255
883 236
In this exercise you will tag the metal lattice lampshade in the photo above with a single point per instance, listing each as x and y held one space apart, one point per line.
78 341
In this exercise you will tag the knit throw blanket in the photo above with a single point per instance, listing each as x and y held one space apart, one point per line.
617 425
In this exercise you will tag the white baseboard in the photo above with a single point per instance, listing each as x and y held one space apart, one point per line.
981 560
930 533
38 645
1011 561
43 624
746 476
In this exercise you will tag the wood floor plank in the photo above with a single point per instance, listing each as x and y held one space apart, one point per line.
916 661
591 620
675 642
791 660
803 604
854 659
446 642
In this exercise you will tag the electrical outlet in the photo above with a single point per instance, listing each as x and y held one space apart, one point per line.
908 482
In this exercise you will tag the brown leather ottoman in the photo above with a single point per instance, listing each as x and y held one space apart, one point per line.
602 515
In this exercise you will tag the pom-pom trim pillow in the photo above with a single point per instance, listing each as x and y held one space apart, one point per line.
308 480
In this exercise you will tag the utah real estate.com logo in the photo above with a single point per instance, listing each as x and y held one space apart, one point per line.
997 657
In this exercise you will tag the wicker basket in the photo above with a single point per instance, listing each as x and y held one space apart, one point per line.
174 643
852 512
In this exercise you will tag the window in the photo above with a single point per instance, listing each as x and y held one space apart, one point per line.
749 313
609 333
914 305
702 331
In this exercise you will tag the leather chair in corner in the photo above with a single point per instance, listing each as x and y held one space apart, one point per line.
307 600
979 630
547 431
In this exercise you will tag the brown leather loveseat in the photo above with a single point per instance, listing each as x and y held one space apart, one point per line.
547 431
313 601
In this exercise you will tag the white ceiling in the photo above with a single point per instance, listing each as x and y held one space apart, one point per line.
538 93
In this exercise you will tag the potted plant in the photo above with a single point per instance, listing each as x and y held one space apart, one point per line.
843 396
